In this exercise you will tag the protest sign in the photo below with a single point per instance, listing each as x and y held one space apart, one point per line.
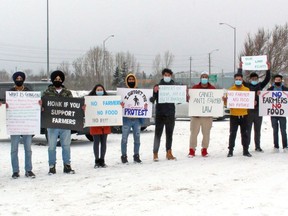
3 131
254 62
63 112
23 112
273 103
206 102
103 111
172 94
136 102
241 99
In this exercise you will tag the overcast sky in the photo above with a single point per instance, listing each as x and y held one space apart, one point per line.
142 27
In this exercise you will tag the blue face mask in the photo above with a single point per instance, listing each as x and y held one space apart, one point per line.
167 79
204 81
99 93
238 82
254 82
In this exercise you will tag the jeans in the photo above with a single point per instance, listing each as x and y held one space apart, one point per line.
282 123
256 120
160 122
15 139
129 123
97 139
236 121
65 140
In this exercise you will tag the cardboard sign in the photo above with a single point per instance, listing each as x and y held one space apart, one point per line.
241 99
23 112
136 102
206 102
273 103
254 62
172 94
3 131
63 112
103 111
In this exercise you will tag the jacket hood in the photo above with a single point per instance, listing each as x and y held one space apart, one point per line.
126 80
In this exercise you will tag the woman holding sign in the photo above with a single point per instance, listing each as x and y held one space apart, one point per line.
99 133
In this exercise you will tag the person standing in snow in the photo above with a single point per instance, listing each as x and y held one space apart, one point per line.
203 122
165 116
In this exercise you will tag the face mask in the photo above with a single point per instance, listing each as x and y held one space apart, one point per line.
238 82
167 79
204 81
278 83
131 84
99 93
19 83
57 84
254 82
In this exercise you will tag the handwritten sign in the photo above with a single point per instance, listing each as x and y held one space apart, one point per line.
172 94
241 99
136 102
254 62
23 112
273 103
103 111
3 131
63 112
206 102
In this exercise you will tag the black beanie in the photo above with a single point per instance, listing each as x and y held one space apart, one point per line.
57 73
19 73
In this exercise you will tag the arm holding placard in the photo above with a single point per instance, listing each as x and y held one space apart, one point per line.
155 94
267 77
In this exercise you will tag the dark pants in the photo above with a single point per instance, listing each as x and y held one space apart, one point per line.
275 126
236 121
160 122
256 120
97 139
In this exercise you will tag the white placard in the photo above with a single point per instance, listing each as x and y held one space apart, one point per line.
273 103
103 111
3 132
206 102
23 112
172 94
241 99
254 62
136 102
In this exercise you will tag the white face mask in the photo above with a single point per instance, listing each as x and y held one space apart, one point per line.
167 79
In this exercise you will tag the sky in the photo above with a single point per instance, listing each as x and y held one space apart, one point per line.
145 28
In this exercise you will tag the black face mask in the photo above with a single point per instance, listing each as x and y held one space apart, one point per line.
19 83
57 84
277 83
131 84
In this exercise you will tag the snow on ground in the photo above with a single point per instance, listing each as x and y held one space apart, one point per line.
215 185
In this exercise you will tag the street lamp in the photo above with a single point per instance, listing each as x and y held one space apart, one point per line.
234 28
209 58
104 75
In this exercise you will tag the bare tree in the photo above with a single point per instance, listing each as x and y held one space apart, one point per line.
160 63
167 59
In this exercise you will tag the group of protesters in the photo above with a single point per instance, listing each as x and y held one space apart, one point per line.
165 117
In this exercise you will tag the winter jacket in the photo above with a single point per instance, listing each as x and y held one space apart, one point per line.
163 109
100 130
272 88
51 91
25 89
238 111
199 86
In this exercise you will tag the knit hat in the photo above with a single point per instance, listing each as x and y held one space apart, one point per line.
56 73
18 73
204 73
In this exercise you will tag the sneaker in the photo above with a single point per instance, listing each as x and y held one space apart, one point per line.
155 157
97 163
15 175
67 169
259 149
276 150
204 152
136 158
230 154
191 153
30 174
124 159
52 170
102 163
247 154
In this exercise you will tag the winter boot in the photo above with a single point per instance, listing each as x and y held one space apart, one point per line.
97 163
30 174
136 158
102 163
15 175
52 170
155 156
204 152
67 169
124 159
191 153
169 155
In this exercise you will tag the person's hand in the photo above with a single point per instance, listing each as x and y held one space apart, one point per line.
122 104
258 93
268 65
84 107
7 106
224 98
156 88
40 102
240 64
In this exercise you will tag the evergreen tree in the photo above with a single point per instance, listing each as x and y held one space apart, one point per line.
117 78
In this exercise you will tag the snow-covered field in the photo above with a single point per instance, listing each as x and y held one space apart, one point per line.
215 185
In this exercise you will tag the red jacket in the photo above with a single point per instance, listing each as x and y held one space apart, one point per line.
198 86
100 130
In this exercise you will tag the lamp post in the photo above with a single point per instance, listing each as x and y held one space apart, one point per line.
209 58
104 74
234 28
47 40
